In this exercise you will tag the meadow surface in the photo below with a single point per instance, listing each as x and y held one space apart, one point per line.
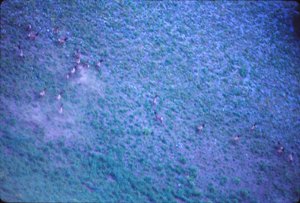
227 65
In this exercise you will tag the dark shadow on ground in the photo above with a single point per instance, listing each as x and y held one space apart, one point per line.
296 21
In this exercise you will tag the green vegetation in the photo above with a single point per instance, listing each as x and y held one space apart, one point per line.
243 72
227 65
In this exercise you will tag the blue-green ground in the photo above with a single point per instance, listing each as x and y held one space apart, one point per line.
225 64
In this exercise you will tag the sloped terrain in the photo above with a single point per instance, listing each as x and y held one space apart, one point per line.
233 66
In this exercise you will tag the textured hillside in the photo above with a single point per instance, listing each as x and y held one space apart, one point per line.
108 138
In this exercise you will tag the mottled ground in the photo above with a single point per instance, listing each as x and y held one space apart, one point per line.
227 65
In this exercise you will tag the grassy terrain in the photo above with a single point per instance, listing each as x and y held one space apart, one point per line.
225 64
